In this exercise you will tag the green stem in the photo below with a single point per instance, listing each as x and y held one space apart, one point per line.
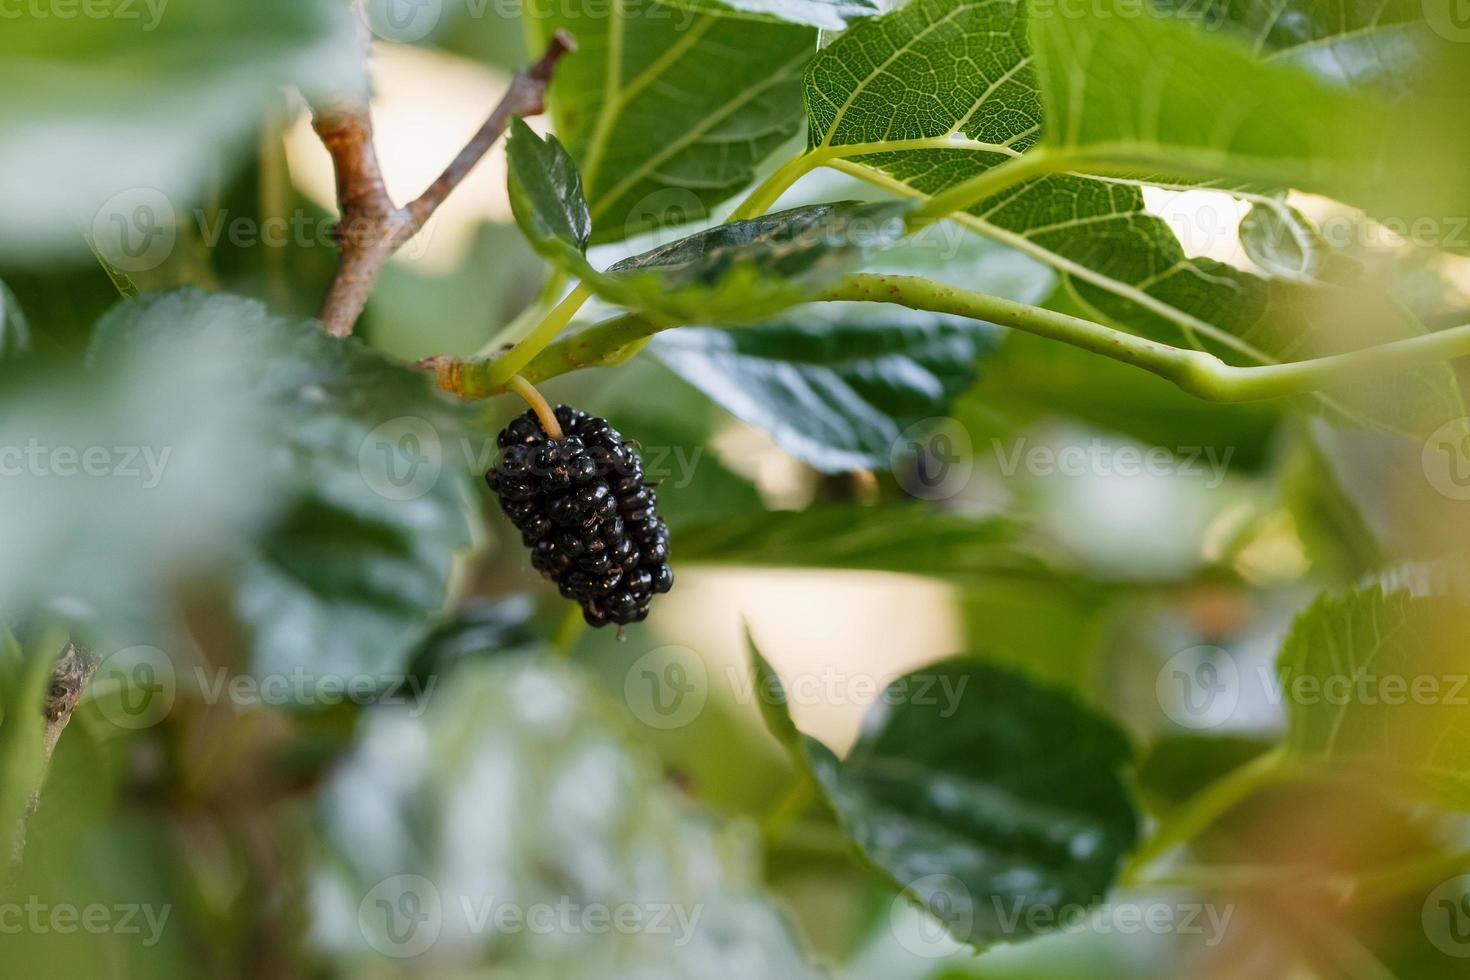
970 192
494 375
1196 815
769 191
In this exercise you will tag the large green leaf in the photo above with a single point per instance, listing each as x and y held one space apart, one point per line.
735 272
370 486
668 112
1348 41
1124 263
1375 685
991 800
513 792
1205 105
898 538
832 15
131 107
1275 124
835 386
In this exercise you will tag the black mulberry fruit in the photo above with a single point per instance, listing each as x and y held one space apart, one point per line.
583 509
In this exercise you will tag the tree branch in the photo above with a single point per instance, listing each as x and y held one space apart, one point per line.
372 227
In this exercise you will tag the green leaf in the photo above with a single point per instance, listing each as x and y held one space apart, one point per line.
832 15
898 538
15 332
667 112
735 272
1177 767
991 800
834 385
775 711
1374 684
1342 41
1208 106
370 484
1123 264
1273 124
161 93
480 629
514 791
546 194
1284 242
22 733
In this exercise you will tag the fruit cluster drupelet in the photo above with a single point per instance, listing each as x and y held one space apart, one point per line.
583 509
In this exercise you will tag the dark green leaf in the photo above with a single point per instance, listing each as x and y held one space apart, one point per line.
546 194
834 385
772 697
1374 684
1177 767
991 800
668 112
478 630
371 481
15 332
735 272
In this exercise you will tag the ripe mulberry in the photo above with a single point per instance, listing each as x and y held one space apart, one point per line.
583 509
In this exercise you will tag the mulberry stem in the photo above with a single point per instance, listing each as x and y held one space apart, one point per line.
538 405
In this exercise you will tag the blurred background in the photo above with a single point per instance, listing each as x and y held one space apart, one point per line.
278 772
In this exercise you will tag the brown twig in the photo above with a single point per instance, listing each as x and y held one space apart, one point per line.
372 227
